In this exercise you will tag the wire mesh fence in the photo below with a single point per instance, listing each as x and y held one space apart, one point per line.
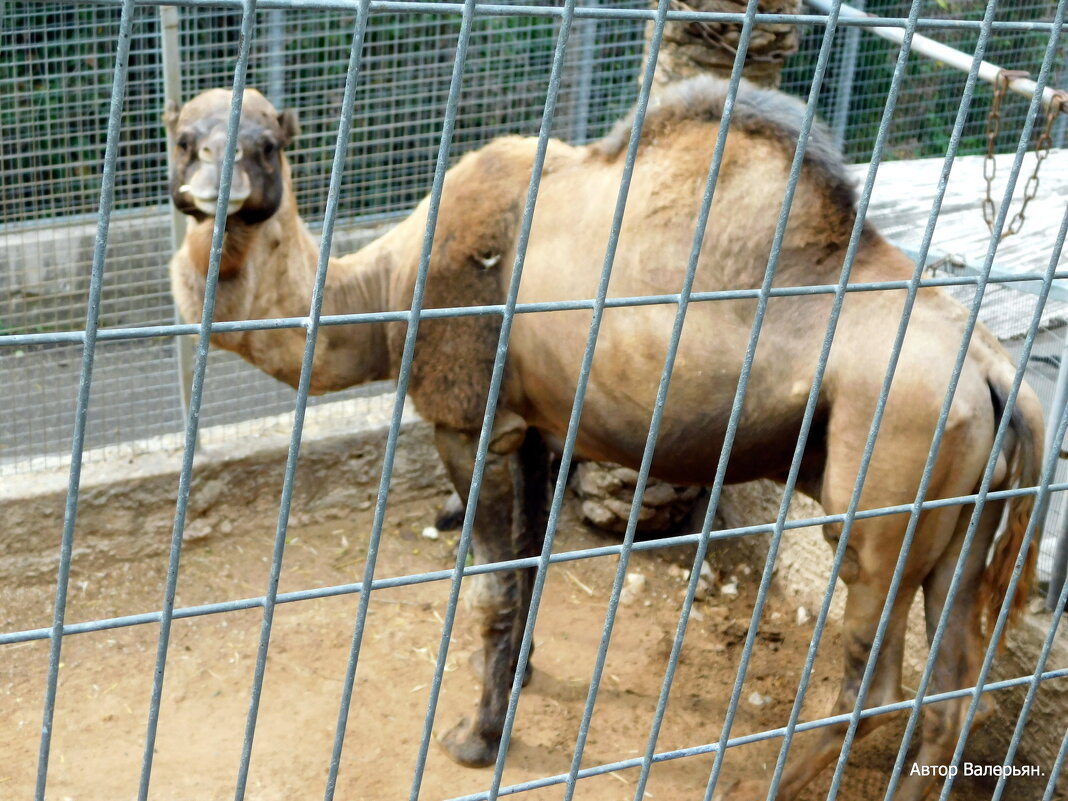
54 72
409 83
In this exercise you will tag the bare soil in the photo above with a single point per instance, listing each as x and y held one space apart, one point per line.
105 678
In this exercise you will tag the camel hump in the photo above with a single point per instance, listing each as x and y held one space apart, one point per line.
762 113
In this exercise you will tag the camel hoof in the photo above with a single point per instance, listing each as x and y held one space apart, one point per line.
451 516
747 790
466 746
478 664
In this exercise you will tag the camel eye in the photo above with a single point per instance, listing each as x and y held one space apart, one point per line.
268 148
185 143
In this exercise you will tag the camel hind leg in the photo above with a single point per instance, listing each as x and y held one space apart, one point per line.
873 550
868 582
961 650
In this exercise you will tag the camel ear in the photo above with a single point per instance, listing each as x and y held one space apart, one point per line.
287 121
170 115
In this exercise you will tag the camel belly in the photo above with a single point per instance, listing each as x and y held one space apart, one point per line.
546 352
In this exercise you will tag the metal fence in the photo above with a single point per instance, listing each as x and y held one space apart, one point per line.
418 66
55 63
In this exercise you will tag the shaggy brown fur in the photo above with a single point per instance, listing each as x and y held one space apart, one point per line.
269 266
710 47
454 355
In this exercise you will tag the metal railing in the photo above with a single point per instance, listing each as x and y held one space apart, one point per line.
467 14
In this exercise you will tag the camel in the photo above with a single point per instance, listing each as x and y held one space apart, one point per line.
266 271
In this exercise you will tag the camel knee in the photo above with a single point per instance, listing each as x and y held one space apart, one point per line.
495 597
832 533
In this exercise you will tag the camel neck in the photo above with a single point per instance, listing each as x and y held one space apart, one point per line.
238 238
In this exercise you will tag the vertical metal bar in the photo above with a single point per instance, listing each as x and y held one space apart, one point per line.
1051 458
195 397
1060 128
545 131
587 30
984 487
843 95
170 51
795 169
1059 572
403 377
1059 568
929 467
276 57
813 396
877 417
303 388
81 415
932 219
1040 666
496 381
584 372
1055 771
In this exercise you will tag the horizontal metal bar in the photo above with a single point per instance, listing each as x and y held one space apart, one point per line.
183 329
769 734
489 10
512 564
943 53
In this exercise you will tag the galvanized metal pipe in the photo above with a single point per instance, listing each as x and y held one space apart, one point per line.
937 51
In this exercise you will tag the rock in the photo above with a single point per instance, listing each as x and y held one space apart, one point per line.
659 494
196 530
756 699
597 514
430 533
718 613
606 492
591 481
802 616
633 587
706 572
730 589
702 590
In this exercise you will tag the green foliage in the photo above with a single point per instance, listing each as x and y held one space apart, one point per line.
931 92
56 66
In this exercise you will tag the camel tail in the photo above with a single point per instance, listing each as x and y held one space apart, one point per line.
1025 456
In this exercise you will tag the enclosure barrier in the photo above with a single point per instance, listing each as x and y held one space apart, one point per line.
567 15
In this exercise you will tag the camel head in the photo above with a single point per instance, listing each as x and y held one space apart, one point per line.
198 130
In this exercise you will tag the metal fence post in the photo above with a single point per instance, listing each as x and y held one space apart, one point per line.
1060 554
843 94
172 92
587 37
276 49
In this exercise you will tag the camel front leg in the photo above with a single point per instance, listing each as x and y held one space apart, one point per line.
502 594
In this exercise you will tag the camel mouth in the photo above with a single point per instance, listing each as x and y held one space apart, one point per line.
209 203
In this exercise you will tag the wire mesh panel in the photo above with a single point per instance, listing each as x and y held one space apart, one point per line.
391 96
54 73
54 68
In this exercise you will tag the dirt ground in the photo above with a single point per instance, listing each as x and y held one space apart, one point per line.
105 679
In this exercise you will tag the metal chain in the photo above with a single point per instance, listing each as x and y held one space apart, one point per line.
1058 104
